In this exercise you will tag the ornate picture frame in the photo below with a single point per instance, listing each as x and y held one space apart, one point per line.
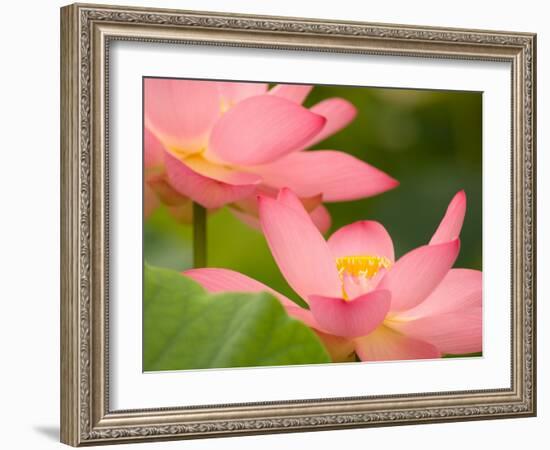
87 31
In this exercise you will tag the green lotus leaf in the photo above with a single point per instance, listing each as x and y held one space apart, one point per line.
184 327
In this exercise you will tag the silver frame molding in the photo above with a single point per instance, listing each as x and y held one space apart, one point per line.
86 33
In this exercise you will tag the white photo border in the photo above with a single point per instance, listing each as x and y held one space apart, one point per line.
132 389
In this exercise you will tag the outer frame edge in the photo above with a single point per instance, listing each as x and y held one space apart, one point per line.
72 430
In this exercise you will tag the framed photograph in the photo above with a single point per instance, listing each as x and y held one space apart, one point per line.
277 225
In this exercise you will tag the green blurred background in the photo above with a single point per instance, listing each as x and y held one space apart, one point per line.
428 140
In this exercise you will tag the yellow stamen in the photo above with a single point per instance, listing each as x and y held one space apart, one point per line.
360 268
225 105
182 153
361 265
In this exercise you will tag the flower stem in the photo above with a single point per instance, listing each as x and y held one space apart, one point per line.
199 235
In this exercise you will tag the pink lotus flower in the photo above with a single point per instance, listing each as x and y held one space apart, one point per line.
222 143
361 300
156 188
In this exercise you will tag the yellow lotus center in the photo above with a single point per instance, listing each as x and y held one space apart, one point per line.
225 105
356 273
183 154
365 266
